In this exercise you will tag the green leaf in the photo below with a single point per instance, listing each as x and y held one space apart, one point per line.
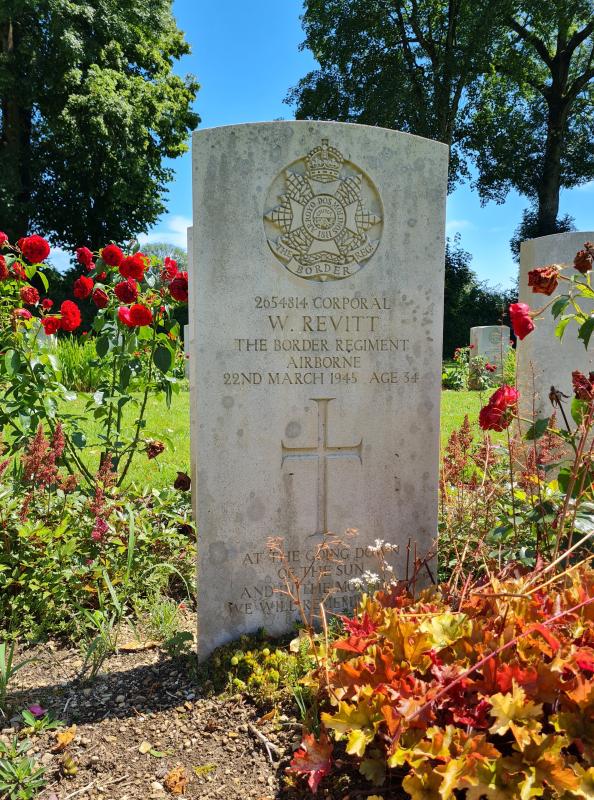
102 345
125 375
579 410
163 358
586 331
537 430
559 305
11 362
44 280
560 329
145 334
78 439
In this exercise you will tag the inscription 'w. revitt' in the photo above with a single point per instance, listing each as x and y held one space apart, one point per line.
321 453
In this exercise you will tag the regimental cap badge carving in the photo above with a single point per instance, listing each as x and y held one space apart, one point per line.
329 217
323 163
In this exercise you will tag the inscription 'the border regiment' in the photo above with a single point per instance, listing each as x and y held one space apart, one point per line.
323 219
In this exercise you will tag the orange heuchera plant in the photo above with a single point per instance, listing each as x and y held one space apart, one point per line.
492 694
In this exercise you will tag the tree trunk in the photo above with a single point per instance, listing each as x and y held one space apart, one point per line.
15 143
550 181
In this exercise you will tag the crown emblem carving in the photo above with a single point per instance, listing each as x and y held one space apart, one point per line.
323 163
326 225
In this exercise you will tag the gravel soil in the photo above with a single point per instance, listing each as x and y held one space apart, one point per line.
146 730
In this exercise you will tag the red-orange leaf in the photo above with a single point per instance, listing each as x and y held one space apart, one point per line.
313 758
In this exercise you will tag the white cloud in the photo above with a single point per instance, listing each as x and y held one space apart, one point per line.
455 225
173 229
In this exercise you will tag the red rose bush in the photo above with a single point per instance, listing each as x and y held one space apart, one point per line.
131 298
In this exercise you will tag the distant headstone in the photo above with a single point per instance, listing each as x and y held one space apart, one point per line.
543 360
317 313
491 342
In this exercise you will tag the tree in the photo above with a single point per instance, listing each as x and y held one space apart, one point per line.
163 249
468 301
89 110
532 123
401 64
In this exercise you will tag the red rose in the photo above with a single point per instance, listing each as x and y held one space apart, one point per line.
179 287
521 319
170 270
35 249
85 257
498 413
18 272
22 313
100 298
154 448
51 325
46 304
71 318
83 287
140 315
4 273
504 397
102 276
124 316
29 295
584 258
112 255
133 266
544 280
3 238
126 291
491 367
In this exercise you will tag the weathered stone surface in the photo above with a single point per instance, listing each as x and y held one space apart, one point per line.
490 342
187 349
543 360
316 313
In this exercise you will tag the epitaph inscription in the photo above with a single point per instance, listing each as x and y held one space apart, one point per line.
316 326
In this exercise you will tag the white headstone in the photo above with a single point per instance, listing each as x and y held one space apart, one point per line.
187 349
543 360
192 364
492 343
317 319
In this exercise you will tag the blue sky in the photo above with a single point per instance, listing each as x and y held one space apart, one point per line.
246 56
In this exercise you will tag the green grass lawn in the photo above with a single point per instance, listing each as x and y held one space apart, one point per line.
161 422
175 423
454 406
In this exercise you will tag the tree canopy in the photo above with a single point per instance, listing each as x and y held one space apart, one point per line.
532 121
508 83
89 111
468 301
405 65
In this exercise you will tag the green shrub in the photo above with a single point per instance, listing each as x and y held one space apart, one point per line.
51 567
81 369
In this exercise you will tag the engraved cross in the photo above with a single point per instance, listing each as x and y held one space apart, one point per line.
321 453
